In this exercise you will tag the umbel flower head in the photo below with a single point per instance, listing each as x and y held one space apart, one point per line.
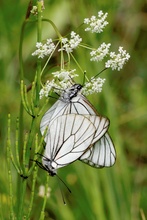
63 78
61 81
94 85
69 45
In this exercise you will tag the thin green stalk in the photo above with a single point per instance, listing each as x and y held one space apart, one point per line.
45 198
39 37
16 145
48 60
32 98
24 98
20 145
21 200
24 153
32 191
20 50
15 164
54 26
30 144
12 216
86 47
62 58
37 149
142 214
78 65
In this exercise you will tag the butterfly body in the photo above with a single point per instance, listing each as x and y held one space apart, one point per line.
71 92
49 166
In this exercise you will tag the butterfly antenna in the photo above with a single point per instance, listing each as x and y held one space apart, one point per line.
63 199
64 183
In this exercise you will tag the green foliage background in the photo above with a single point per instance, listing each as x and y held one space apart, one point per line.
115 193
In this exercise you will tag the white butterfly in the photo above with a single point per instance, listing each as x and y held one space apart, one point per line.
68 136
100 152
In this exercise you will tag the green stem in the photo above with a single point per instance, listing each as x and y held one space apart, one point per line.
78 65
45 199
20 50
21 200
39 37
21 126
54 26
86 47
32 191
17 146
35 91
9 172
29 145
48 60
38 147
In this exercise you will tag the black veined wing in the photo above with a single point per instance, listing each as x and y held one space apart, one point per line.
62 148
101 154
61 107
71 102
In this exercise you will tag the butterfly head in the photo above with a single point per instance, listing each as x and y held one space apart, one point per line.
71 92
49 166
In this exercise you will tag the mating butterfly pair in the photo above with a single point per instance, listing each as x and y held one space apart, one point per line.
75 131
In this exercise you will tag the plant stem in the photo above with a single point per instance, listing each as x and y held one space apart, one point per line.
32 192
45 199
23 184
39 37
9 171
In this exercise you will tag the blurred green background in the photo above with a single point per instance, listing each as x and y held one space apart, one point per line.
116 193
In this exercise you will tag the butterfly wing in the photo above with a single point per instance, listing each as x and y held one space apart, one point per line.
78 105
102 143
56 110
68 136
101 154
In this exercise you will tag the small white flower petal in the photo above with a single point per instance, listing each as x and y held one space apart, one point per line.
44 49
117 61
96 25
69 45
93 86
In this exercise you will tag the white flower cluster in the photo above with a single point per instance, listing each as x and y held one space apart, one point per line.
64 78
44 49
46 89
65 75
64 81
100 53
96 25
117 61
93 86
69 45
